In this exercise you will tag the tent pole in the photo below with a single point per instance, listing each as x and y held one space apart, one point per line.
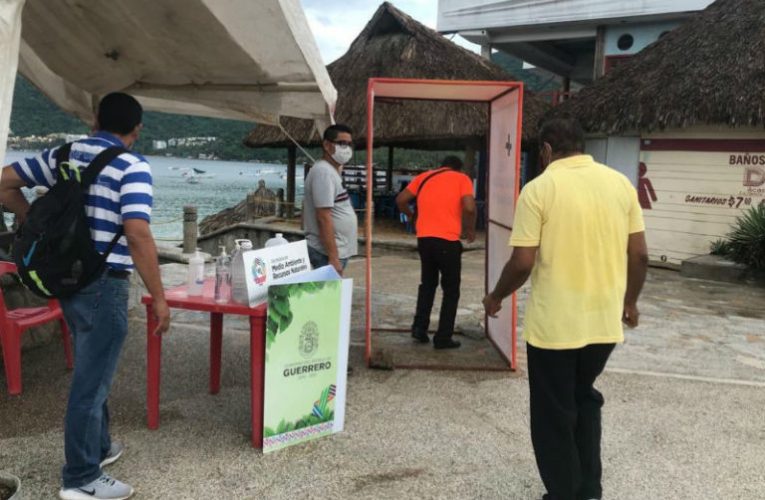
368 221
291 168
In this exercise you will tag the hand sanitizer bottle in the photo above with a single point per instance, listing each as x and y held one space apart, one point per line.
196 275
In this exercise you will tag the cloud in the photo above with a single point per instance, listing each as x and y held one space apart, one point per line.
336 23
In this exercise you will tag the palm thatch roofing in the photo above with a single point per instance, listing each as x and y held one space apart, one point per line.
394 45
710 70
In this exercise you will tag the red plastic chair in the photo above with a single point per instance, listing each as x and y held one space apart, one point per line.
14 323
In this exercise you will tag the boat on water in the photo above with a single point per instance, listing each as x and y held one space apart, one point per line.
266 171
195 173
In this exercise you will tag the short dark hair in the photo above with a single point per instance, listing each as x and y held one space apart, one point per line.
119 113
564 135
334 130
453 162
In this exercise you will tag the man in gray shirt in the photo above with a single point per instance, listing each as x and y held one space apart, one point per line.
331 227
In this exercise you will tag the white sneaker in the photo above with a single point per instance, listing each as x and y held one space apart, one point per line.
115 452
103 488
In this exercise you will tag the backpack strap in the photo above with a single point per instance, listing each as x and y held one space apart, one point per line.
62 160
422 184
89 176
101 160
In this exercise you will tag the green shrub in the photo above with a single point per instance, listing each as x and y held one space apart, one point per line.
745 244
719 247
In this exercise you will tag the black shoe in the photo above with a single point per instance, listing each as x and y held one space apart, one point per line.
446 344
420 336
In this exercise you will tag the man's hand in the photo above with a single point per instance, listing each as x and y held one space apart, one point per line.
492 305
162 316
335 262
144 253
631 315
11 196
470 235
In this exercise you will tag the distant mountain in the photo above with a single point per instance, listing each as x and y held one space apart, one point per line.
34 114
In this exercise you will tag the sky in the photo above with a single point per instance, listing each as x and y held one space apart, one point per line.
336 23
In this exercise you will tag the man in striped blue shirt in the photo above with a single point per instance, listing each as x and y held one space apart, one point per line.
120 198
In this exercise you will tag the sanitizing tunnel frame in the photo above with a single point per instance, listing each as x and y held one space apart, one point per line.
505 112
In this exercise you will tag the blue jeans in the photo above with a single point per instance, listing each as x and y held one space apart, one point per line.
318 259
97 317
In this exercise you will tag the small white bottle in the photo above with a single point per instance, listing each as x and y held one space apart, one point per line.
196 275
223 277
279 239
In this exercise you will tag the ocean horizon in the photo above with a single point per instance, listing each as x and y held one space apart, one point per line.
223 184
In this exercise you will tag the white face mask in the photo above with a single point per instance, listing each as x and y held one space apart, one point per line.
342 154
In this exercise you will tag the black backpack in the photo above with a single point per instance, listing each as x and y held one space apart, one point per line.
53 248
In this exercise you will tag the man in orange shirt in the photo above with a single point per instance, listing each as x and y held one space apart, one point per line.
444 198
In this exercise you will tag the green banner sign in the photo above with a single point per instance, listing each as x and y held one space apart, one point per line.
306 361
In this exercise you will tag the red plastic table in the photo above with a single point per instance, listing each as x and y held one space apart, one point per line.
177 299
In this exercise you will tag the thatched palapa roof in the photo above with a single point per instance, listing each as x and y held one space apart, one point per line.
710 70
394 45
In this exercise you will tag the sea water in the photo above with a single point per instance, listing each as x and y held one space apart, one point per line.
223 185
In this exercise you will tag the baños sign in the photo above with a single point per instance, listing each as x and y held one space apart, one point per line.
692 191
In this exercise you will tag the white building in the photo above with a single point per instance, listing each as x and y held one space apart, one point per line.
576 39
685 120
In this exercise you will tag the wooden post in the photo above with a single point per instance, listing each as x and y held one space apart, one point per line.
599 68
291 164
189 229
389 173
279 203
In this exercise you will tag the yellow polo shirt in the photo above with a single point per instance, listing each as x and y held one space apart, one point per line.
580 214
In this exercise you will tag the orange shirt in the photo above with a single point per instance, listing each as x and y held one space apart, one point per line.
439 206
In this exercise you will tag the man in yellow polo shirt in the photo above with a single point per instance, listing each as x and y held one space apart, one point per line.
579 233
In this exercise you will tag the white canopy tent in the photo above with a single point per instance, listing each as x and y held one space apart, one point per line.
238 59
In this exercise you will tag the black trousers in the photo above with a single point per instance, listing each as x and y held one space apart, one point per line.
565 419
444 258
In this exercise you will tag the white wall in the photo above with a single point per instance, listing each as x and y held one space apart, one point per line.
644 34
619 153
457 15
624 156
